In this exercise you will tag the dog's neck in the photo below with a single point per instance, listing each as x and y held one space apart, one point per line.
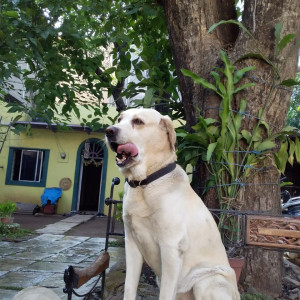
142 170
152 177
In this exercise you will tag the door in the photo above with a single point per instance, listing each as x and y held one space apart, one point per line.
91 173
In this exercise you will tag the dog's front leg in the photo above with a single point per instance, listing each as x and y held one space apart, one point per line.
171 268
134 262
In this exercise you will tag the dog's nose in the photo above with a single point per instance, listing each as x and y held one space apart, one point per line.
111 131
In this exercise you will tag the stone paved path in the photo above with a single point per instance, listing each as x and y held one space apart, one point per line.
41 261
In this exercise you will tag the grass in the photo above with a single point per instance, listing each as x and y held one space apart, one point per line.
13 288
256 296
10 233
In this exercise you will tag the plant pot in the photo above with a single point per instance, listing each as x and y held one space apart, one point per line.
7 220
236 263
49 209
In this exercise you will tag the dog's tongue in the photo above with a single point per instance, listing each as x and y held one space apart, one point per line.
128 148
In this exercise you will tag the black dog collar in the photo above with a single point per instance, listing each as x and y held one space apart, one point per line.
162 172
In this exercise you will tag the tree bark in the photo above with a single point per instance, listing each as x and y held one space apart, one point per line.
194 49
260 17
197 51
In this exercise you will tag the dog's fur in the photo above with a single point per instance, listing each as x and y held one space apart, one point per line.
166 223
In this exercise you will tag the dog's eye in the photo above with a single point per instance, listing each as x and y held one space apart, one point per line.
137 122
119 120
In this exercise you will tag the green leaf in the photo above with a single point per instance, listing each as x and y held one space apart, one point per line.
282 184
16 119
289 129
285 40
212 131
214 26
289 82
244 86
210 150
265 145
218 82
266 125
209 121
246 135
122 73
292 148
149 11
297 149
282 157
278 28
239 116
197 79
240 73
11 14
148 98
257 56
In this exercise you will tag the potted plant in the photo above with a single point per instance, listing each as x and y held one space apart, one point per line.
6 211
231 153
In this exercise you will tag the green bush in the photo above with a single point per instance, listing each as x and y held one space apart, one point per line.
7 209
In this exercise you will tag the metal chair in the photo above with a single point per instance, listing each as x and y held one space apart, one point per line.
75 277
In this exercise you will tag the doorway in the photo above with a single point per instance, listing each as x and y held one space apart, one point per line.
91 181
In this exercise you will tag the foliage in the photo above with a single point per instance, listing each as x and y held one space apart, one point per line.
10 233
119 209
7 209
293 116
233 154
255 296
64 45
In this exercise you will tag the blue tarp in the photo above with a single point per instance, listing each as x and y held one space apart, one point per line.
51 194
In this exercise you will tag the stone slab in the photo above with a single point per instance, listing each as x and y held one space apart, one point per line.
46 266
9 264
78 219
21 279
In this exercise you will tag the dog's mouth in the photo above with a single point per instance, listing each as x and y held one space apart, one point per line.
125 152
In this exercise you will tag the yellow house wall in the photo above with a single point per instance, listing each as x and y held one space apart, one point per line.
58 168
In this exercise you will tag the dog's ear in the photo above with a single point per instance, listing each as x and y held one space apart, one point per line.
166 124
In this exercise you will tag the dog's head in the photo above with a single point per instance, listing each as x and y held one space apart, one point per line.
142 137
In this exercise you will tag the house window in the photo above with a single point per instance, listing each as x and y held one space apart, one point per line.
27 167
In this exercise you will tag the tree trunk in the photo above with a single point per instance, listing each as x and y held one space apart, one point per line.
194 49
260 17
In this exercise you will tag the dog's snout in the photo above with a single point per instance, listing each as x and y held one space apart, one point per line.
111 132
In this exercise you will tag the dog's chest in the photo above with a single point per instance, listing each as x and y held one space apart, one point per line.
140 219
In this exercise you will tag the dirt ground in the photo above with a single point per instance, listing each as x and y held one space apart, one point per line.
96 227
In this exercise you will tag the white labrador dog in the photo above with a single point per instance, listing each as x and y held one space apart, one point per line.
166 223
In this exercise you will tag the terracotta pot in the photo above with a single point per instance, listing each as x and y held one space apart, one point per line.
7 220
236 264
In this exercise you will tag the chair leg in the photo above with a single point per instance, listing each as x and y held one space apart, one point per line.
68 278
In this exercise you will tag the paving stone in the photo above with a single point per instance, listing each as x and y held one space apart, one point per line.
31 255
75 238
2 273
56 229
93 246
4 251
78 219
21 279
42 260
82 251
97 240
47 237
67 258
10 264
53 281
46 266
7 294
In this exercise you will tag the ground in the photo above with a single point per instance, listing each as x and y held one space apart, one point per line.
96 227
